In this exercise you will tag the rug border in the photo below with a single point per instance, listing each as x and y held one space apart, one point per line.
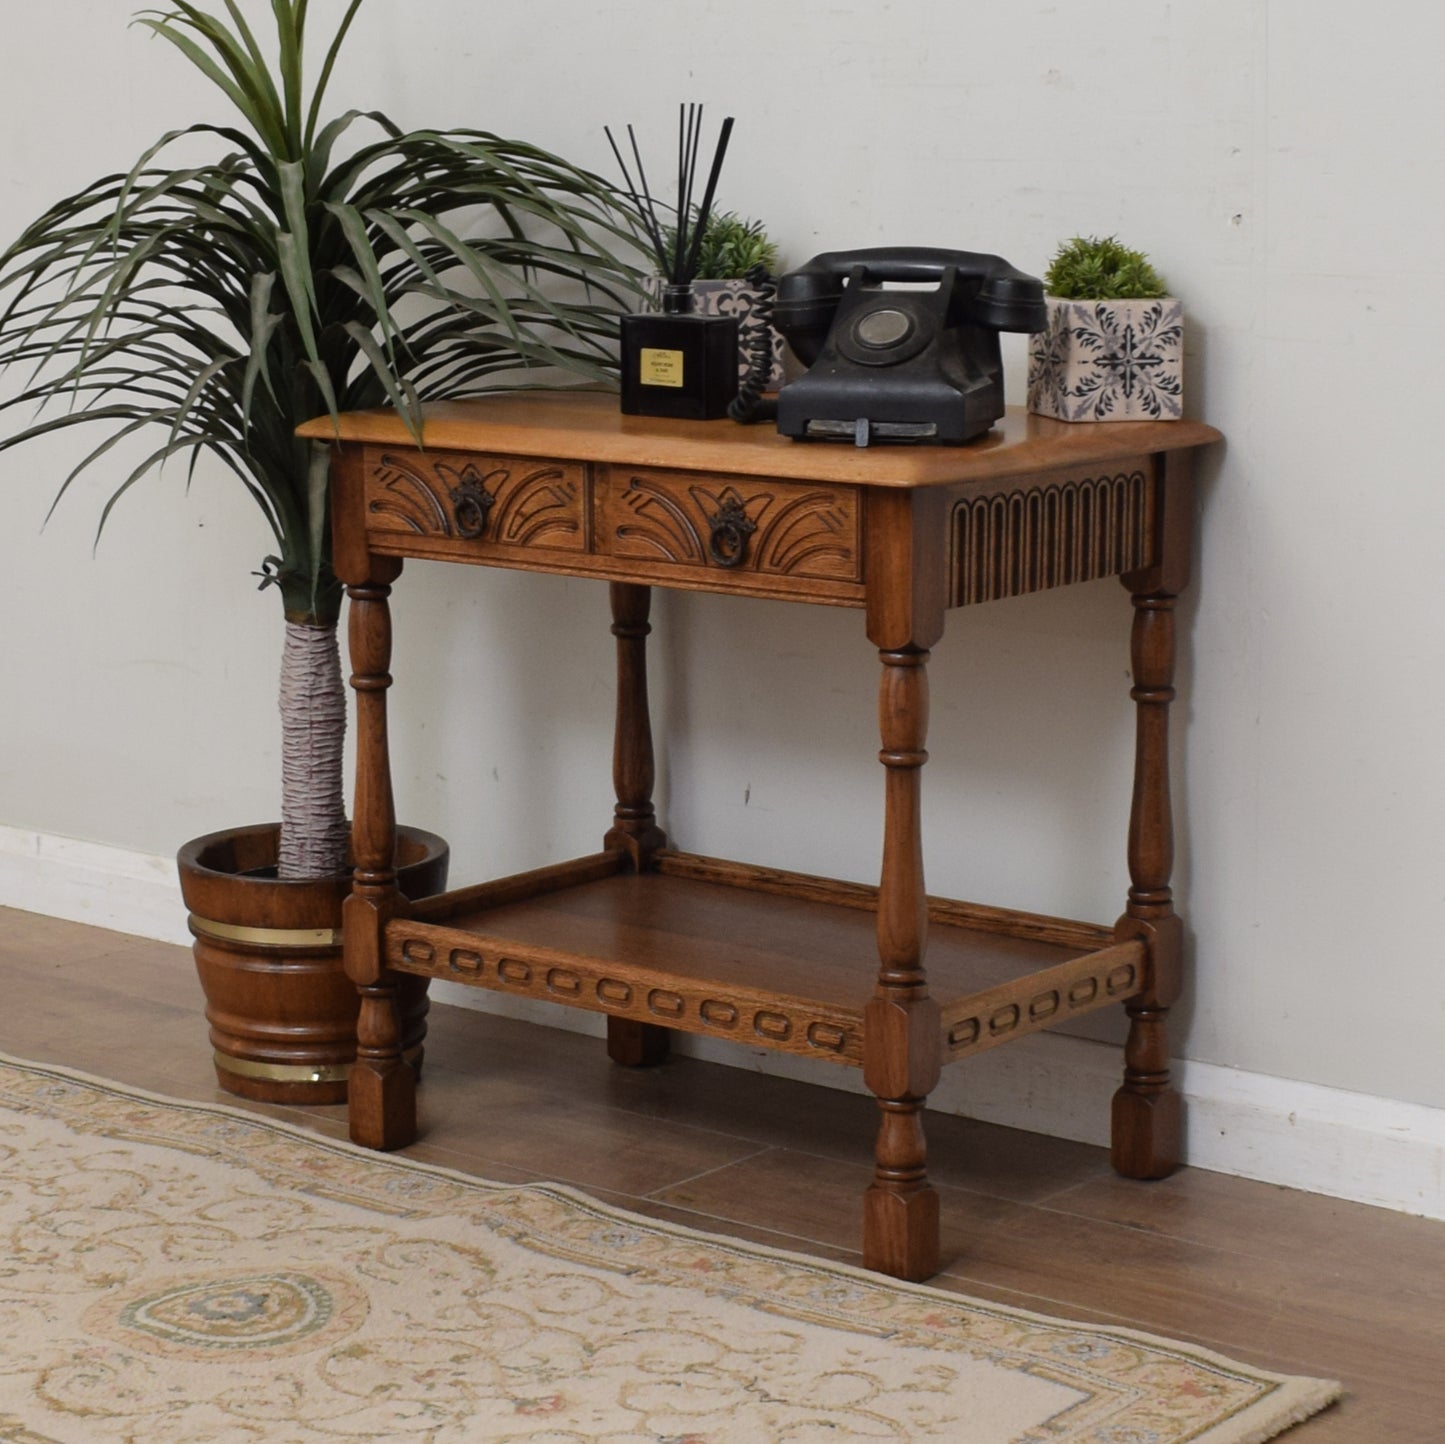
1293 1399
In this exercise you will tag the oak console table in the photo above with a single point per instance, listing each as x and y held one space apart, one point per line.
660 939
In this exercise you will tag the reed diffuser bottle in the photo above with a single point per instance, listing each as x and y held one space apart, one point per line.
675 362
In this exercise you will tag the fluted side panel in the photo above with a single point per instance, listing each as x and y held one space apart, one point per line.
1051 536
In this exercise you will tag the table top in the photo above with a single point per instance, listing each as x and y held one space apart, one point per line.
588 426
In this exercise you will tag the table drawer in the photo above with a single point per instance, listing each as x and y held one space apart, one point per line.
475 504
722 525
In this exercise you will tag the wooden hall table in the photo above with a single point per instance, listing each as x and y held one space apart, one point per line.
659 939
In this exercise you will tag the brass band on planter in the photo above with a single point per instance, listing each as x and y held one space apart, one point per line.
266 937
295 1072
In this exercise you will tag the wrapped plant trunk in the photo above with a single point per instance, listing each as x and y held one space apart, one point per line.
311 265
313 733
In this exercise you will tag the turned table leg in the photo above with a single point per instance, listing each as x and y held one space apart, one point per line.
901 1061
1146 1111
634 825
382 1091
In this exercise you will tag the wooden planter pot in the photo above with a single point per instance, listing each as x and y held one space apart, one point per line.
281 1008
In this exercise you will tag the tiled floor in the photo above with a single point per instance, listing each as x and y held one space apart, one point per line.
1292 1281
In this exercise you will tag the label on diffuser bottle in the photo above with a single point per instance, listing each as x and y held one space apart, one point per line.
657 367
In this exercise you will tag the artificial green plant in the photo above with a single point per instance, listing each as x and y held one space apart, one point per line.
318 264
1094 268
731 246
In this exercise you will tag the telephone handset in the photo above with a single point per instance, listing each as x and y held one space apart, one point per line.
902 345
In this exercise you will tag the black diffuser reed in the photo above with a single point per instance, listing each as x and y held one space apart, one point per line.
678 363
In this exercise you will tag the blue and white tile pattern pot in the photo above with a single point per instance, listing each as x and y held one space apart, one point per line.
1109 361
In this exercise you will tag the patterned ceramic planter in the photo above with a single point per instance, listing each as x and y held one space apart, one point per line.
730 298
1109 361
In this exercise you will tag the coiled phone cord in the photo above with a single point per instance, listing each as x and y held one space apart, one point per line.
748 406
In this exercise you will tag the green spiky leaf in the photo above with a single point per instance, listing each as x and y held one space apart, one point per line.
314 265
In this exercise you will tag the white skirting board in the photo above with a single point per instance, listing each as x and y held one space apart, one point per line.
87 882
1299 1135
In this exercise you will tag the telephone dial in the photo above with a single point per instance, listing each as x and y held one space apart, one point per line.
901 345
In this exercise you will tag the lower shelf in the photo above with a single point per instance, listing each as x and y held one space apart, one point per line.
772 959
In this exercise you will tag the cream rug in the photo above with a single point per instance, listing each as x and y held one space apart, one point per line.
177 1272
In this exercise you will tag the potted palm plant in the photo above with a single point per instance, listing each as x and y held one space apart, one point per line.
317 264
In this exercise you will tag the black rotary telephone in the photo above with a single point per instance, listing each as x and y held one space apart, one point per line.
901 345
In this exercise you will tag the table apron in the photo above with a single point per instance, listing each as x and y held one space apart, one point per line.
750 536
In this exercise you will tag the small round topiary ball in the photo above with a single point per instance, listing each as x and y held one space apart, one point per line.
1089 268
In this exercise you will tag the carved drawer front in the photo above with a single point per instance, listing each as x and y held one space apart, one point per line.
481 503
722 524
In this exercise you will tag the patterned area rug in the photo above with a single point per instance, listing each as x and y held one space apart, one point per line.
178 1272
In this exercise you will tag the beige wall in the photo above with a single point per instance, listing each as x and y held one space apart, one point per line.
1278 161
